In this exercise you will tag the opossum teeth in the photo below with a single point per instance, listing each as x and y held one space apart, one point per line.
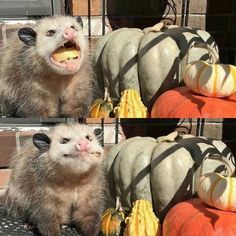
69 58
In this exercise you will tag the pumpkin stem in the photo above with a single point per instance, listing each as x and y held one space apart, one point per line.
156 28
212 51
107 95
118 204
168 138
220 158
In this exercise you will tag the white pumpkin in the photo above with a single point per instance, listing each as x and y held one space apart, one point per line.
217 190
210 79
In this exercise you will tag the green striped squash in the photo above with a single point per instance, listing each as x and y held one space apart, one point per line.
210 79
217 190
101 108
112 219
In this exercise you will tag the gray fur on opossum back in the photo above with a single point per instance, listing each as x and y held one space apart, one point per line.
29 88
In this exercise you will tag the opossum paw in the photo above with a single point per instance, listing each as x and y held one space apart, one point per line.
28 226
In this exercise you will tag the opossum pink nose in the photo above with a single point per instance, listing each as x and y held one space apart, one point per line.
69 33
82 145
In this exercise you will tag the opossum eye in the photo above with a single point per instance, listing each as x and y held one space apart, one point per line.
73 28
88 137
51 33
64 140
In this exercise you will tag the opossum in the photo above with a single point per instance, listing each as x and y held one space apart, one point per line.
58 179
45 70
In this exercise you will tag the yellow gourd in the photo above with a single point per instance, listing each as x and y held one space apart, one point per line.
130 105
217 190
142 220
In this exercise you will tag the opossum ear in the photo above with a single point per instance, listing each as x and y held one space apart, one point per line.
79 20
99 135
41 141
27 35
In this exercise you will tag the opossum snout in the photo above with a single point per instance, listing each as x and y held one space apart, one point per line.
69 33
83 145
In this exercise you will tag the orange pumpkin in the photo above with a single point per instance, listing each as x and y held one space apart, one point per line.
194 218
181 103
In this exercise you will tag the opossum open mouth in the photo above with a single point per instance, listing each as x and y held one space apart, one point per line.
67 56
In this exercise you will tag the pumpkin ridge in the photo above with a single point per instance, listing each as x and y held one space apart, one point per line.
230 195
215 79
227 71
99 106
199 76
107 212
213 189
150 178
107 224
203 178
189 66
93 105
232 70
